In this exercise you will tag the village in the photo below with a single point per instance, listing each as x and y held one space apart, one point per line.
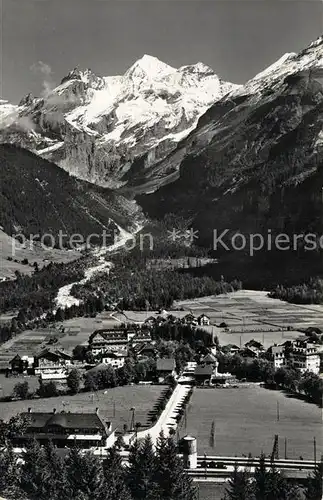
112 347
174 353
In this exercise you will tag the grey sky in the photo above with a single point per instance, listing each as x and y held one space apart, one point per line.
237 38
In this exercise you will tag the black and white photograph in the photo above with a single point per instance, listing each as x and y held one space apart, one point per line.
161 249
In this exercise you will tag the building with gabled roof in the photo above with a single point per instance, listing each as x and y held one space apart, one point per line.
65 429
209 359
51 362
165 367
203 374
304 356
117 339
277 355
232 348
147 350
255 345
141 337
21 364
203 320
114 339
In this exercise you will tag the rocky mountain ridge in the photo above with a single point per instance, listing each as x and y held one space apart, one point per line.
254 161
97 128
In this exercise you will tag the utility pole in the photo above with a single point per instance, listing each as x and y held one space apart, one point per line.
212 435
277 411
314 445
132 423
114 409
285 448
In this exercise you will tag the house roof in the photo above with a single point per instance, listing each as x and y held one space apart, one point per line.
304 338
254 343
114 333
206 370
16 358
209 358
64 420
203 316
248 351
63 354
143 347
53 355
165 364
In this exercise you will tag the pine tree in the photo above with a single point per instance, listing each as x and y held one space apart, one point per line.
239 485
84 475
172 480
8 469
54 478
32 471
277 485
269 483
314 486
142 471
114 487
261 483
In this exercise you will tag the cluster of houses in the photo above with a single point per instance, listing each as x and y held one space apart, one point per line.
302 353
204 372
48 364
112 346
189 319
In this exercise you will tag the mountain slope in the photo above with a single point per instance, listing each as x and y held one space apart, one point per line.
105 129
255 160
38 197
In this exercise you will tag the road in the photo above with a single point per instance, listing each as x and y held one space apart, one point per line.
167 419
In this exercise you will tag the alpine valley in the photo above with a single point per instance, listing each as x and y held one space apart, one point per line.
184 143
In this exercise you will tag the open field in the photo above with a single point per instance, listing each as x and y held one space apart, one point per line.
253 315
68 334
246 421
8 248
114 404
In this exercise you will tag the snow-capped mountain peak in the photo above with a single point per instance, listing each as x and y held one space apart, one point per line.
97 127
276 65
149 67
199 68
309 59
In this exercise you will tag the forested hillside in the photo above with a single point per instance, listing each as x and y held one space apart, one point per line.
38 197
255 164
